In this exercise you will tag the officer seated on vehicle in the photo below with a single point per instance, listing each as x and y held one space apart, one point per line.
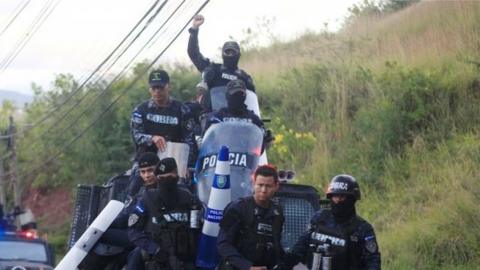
114 245
338 233
164 224
251 227
237 111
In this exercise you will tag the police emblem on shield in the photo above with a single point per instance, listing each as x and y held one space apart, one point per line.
221 181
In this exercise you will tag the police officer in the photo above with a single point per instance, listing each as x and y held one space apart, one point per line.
216 74
114 245
196 107
159 120
164 225
251 227
339 233
236 110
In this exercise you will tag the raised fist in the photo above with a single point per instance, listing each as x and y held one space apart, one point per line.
197 21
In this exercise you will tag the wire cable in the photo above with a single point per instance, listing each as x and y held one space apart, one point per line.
15 16
57 107
65 114
37 23
114 102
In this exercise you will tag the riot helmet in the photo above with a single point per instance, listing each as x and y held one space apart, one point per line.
230 54
343 184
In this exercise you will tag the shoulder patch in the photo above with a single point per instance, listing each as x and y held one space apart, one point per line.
132 220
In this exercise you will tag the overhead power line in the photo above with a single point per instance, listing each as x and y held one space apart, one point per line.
46 11
65 114
53 110
25 4
115 101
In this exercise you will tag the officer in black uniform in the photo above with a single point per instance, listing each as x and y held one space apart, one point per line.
339 233
251 227
164 225
159 120
114 246
216 74
236 111
196 107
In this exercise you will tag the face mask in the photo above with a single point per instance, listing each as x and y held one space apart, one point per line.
230 62
168 183
343 210
236 101
230 54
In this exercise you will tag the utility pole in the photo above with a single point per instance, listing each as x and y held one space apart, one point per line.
2 184
13 166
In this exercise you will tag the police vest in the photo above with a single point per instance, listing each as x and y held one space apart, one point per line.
170 227
259 239
217 75
340 239
166 122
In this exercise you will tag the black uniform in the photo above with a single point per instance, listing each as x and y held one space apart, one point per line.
250 235
114 246
174 122
353 243
162 230
214 74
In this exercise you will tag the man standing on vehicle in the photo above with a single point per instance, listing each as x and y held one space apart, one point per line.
159 120
216 74
164 225
346 237
251 227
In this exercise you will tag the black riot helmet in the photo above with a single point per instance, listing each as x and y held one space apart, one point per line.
230 54
343 184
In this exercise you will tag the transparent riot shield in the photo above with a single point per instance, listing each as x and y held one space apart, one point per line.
244 141
219 100
178 151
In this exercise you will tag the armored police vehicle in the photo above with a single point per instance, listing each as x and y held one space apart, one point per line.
244 141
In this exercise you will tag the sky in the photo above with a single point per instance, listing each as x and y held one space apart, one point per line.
74 36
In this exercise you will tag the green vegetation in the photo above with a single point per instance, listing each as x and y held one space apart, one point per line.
392 99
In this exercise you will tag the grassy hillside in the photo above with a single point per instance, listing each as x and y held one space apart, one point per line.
393 100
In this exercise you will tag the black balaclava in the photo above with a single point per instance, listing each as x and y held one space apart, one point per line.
231 61
168 190
167 185
344 210
236 101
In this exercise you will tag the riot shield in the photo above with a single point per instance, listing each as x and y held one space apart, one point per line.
244 141
219 100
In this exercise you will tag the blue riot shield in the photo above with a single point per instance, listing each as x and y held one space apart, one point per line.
244 141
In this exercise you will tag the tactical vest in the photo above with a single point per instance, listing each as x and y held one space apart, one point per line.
259 238
166 122
340 239
170 227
